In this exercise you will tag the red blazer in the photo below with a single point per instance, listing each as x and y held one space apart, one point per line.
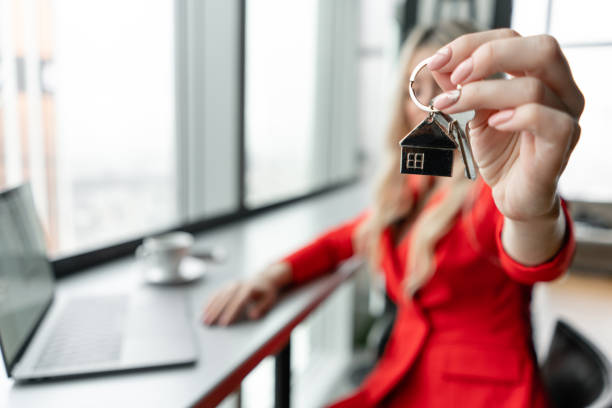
465 339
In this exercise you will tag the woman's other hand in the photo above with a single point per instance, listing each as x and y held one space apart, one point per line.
251 298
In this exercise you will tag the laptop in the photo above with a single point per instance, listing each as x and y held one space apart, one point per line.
44 336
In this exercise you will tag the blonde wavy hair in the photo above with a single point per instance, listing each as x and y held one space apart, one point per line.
400 198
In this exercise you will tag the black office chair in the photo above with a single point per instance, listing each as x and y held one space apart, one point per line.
575 372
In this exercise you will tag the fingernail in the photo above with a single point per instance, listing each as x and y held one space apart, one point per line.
446 99
501 117
463 71
439 59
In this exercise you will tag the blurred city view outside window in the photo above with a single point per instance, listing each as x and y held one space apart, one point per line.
89 105
87 116
281 75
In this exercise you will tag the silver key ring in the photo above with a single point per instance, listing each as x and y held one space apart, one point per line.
415 72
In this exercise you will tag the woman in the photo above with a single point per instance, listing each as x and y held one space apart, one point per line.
459 257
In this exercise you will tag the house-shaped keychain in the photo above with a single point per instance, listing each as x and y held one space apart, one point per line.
428 149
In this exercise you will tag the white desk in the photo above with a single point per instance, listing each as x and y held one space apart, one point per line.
226 354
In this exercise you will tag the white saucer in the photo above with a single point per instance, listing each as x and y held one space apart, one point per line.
190 270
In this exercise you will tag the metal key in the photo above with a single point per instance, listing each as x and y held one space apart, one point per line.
463 143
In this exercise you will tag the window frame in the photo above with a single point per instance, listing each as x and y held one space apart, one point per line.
190 197
417 159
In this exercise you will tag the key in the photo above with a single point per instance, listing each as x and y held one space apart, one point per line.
463 143
429 147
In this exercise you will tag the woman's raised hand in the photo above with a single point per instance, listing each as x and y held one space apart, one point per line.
525 126
251 298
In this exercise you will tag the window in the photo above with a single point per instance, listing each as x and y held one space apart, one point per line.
580 30
300 102
124 132
415 160
280 99
87 116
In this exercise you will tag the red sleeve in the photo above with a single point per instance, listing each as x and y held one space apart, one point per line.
547 271
324 253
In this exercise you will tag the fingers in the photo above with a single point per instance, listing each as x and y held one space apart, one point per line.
443 62
498 94
236 305
448 57
218 302
537 56
541 120
230 303
261 307
480 118
556 133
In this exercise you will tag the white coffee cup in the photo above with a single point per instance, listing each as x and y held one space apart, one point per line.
162 255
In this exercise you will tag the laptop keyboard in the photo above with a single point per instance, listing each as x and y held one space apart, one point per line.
88 331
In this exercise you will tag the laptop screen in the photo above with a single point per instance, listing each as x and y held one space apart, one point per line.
26 278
